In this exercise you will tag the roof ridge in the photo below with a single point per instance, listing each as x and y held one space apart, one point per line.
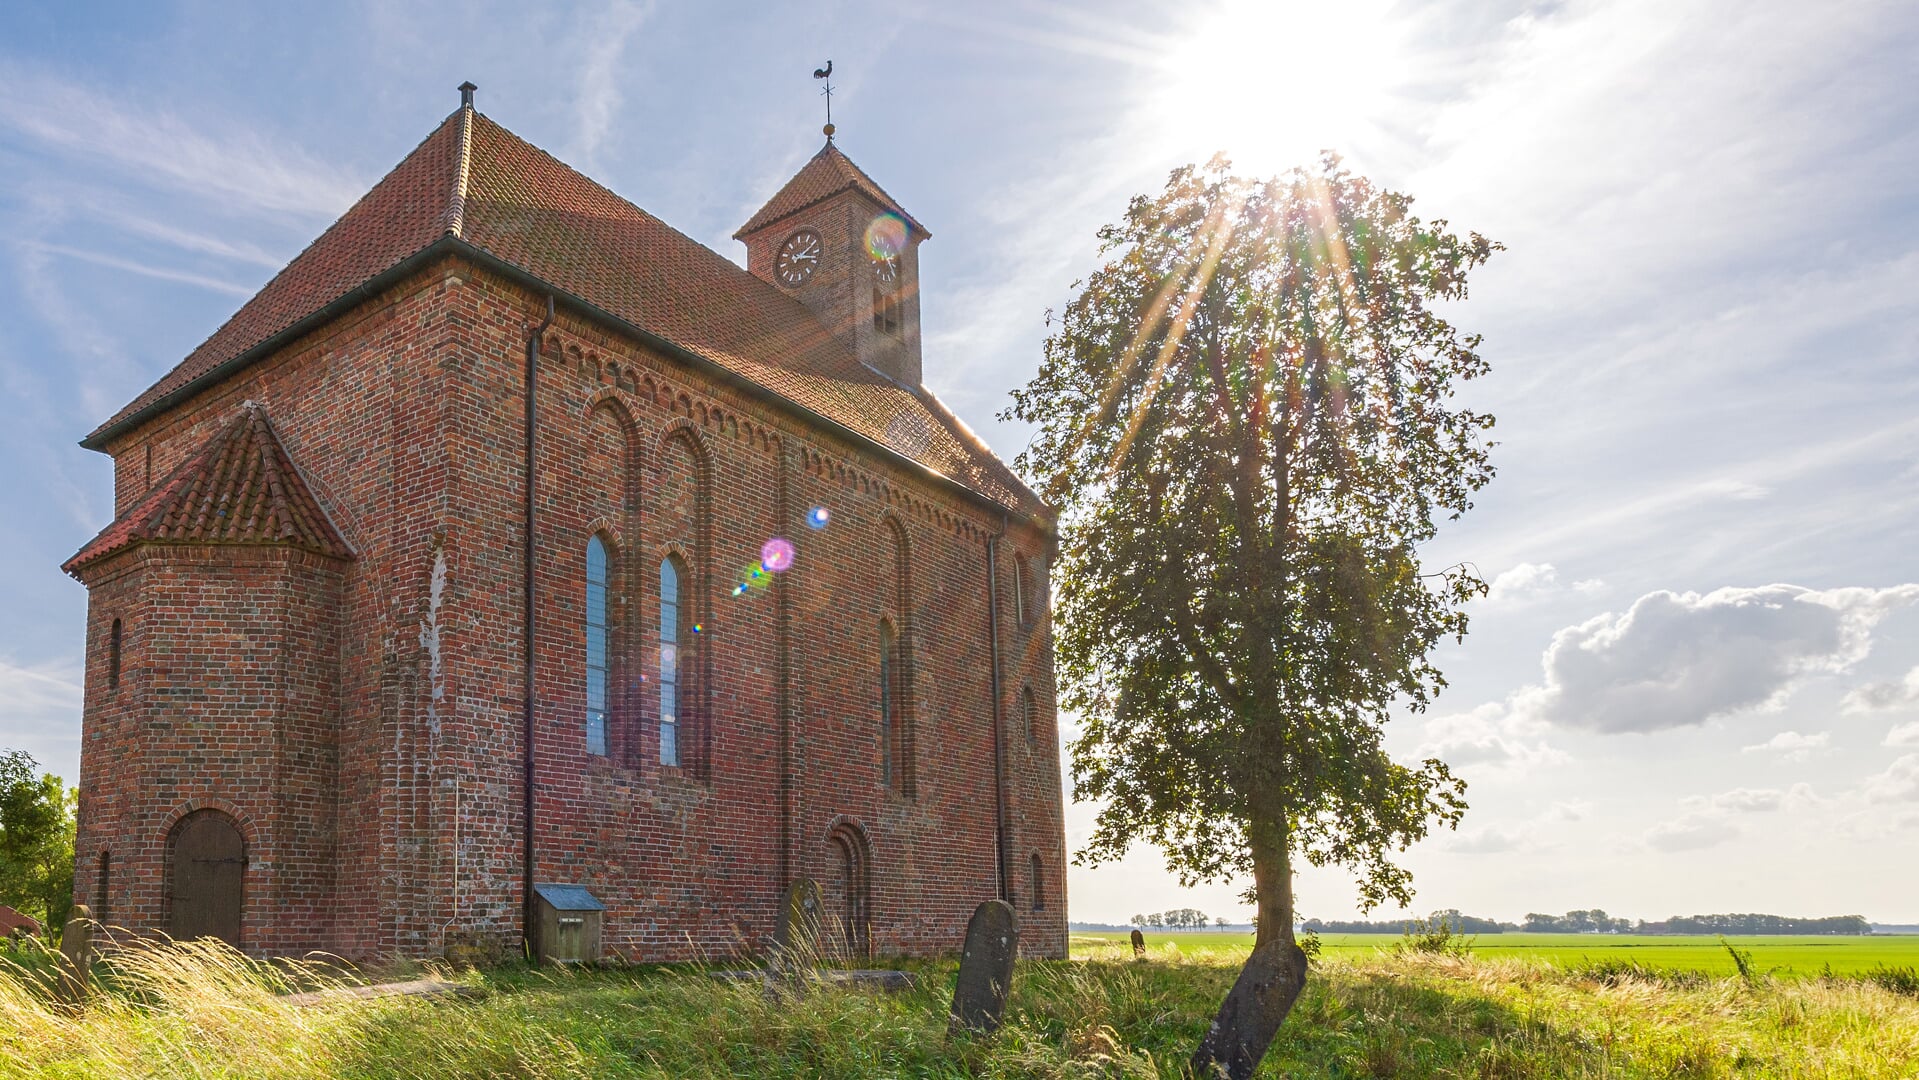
462 170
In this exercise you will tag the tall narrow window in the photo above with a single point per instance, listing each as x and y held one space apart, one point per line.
1029 710
596 645
102 887
113 656
1019 589
1039 884
669 661
889 703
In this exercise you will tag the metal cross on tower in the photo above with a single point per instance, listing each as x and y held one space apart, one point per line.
826 74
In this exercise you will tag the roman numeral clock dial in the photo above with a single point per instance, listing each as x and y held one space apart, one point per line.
799 256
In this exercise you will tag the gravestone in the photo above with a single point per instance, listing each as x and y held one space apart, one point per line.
76 954
1139 944
796 941
986 969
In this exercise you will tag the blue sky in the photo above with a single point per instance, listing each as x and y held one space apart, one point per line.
1696 684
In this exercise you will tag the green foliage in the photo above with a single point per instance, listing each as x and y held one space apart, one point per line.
1898 979
1434 936
36 840
1245 418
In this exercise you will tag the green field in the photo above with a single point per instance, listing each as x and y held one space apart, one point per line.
1785 956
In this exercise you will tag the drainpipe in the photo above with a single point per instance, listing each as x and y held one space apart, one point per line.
526 713
999 735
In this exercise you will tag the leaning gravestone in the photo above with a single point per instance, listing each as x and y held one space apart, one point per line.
796 941
76 954
1139 945
986 969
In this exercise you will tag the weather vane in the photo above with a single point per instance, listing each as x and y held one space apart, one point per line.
826 73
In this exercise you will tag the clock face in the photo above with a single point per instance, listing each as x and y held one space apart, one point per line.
799 256
886 269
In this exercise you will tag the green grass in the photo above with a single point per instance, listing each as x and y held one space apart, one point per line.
201 1011
1784 956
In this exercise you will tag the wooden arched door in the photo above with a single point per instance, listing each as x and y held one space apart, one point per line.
206 877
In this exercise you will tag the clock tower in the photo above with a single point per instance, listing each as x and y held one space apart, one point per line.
835 241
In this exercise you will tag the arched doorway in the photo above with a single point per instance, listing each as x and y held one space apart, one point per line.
206 877
851 898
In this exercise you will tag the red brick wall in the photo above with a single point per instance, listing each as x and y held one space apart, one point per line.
406 418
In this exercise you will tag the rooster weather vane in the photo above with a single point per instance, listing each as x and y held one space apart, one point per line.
826 74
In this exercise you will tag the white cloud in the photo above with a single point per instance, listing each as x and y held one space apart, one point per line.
1882 696
1490 735
1899 783
1906 734
1793 745
1678 659
1569 810
1528 581
600 71
1495 840
1691 831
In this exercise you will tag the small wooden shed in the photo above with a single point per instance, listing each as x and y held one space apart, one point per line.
568 924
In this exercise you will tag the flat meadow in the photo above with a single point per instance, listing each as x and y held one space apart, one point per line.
200 1010
1779 955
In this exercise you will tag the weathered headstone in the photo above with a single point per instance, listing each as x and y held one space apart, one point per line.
76 955
1251 1014
986 969
796 941
1139 944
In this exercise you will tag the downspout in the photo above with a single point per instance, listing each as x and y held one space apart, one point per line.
999 734
526 711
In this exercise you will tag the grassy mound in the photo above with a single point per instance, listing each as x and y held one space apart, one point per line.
203 1011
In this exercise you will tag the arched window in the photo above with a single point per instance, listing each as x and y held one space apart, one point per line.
1029 711
1038 884
889 705
597 631
669 661
113 656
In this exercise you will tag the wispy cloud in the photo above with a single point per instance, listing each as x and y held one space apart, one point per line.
156 146
1792 745
598 72
131 266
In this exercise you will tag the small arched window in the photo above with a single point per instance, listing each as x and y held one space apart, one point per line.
669 661
113 656
598 628
1029 711
889 704
1038 884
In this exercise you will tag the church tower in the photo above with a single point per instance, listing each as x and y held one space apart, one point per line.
832 239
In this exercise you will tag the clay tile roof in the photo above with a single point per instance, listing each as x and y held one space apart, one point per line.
829 173
474 184
11 921
240 487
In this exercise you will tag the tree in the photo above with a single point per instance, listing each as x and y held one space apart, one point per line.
1139 920
1220 923
36 840
1245 419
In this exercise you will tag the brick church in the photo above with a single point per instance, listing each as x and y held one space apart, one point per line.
359 679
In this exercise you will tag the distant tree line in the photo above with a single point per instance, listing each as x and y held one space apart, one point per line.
1596 921
1177 919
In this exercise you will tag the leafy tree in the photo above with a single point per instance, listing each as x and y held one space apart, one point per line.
1245 418
1139 920
36 840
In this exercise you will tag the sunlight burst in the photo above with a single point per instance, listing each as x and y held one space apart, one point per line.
1273 82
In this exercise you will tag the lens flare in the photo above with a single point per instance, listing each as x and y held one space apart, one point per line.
818 517
699 628
776 555
886 237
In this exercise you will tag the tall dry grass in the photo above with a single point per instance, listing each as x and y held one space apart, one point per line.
201 1010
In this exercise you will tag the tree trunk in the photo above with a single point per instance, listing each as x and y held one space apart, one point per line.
1274 974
